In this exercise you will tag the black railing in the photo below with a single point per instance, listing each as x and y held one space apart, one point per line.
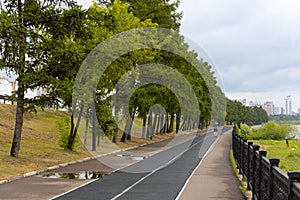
263 176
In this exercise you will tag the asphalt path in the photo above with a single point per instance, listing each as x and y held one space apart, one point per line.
160 176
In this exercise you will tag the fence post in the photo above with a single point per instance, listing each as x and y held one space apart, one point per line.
255 148
240 140
238 152
274 162
294 176
262 154
248 161
242 156
244 142
234 143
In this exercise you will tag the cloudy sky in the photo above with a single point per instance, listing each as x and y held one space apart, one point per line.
255 45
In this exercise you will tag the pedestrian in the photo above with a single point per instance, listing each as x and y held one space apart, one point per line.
215 129
287 141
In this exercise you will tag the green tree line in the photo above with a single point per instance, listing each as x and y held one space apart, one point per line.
238 113
44 42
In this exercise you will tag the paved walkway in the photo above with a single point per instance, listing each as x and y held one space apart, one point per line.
214 178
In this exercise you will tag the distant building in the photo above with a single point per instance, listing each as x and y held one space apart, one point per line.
269 107
254 104
7 87
278 111
288 105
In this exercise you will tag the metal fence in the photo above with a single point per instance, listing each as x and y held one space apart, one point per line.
263 176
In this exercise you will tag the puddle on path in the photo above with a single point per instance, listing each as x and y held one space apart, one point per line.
79 175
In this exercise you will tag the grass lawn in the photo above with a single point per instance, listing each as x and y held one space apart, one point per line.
289 156
39 144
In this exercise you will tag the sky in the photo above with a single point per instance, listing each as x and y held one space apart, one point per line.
254 44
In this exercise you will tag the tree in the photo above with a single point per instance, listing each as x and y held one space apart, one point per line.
238 113
25 27
162 12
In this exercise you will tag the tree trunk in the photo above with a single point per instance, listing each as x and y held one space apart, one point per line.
149 129
158 123
178 116
202 123
123 138
171 127
161 124
115 137
144 126
166 124
16 143
74 129
131 123
188 124
154 124
86 127
198 123
182 127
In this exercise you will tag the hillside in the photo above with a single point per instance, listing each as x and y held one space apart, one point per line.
39 145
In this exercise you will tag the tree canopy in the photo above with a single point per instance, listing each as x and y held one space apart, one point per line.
44 43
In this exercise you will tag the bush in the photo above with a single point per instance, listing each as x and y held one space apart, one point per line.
271 131
246 131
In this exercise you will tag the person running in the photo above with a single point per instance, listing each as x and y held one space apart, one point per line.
215 129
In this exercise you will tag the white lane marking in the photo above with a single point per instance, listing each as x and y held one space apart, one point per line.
60 195
69 191
130 187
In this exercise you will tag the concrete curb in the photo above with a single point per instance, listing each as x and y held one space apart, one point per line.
37 172
34 173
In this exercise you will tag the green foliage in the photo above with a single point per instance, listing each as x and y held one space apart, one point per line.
64 129
162 12
237 112
27 32
245 131
271 131
105 117
238 131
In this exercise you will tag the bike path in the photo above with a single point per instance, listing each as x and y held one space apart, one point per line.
163 181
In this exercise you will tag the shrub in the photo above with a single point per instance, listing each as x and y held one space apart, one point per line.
271 131
246 131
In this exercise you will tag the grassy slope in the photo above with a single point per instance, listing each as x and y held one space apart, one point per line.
289 156
39 145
